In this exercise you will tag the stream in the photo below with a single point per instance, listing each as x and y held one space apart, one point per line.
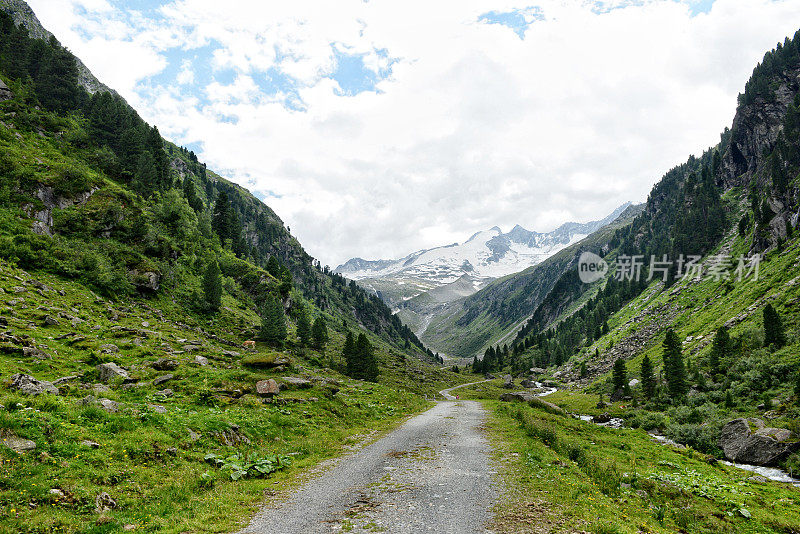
771 473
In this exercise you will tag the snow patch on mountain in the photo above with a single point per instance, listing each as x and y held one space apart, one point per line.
485 256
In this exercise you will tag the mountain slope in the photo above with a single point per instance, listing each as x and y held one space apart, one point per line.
485 256
466 326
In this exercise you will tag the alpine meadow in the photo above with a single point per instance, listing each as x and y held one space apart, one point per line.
173 359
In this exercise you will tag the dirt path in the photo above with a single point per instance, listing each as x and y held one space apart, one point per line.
446 393
432 474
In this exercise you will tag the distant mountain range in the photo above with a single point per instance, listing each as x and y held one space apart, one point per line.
486 256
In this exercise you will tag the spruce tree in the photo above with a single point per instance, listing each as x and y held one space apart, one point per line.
720 350
773 328
797 386
674 368
349 354
221 219
620 375
319 333
273 323
146 176
191 194
303 328
648 379
212 286
368 365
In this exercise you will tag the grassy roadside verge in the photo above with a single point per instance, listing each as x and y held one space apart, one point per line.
566 475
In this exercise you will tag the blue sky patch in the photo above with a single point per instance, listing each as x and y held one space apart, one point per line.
518 19
353 76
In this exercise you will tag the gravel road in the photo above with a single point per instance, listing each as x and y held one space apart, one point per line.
432 474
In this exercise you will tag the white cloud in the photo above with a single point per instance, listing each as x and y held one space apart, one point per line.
474 127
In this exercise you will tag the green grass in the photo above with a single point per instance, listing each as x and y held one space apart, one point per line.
153 464
568 475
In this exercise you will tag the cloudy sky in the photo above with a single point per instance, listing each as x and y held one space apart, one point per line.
377 127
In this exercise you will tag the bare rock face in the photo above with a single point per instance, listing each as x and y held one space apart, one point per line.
765 446
756 127
5 92
28 385
43 219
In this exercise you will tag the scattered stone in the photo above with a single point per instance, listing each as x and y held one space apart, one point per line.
190 348
508 382
90 444
295 382
63 379
103 503
201 360
528 383
165 364
109 405
49 320
267 388
758 478
101 388
157 408
603 418
166 393
145 324
537 371
232 436
230 353
129 527
109 348
18 444
163 378
110 371
32 352
194 436
57 492
27 385
633 383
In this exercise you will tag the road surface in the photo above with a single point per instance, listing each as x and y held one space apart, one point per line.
433 474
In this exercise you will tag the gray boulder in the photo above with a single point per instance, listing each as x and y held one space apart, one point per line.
761 447
517 396
508 382
109 348
110 371
18 444
295 382
163 378
27 385
528 383
165 364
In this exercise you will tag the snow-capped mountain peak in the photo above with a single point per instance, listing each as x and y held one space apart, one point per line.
486 255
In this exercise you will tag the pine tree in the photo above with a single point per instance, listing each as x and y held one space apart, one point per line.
274 266
476 365
720 350
648 379
349 355
303 328
146 176
620 375
797 386
368 365
319 333
273 323
221 219
212 286
773 328
191 194
674 368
